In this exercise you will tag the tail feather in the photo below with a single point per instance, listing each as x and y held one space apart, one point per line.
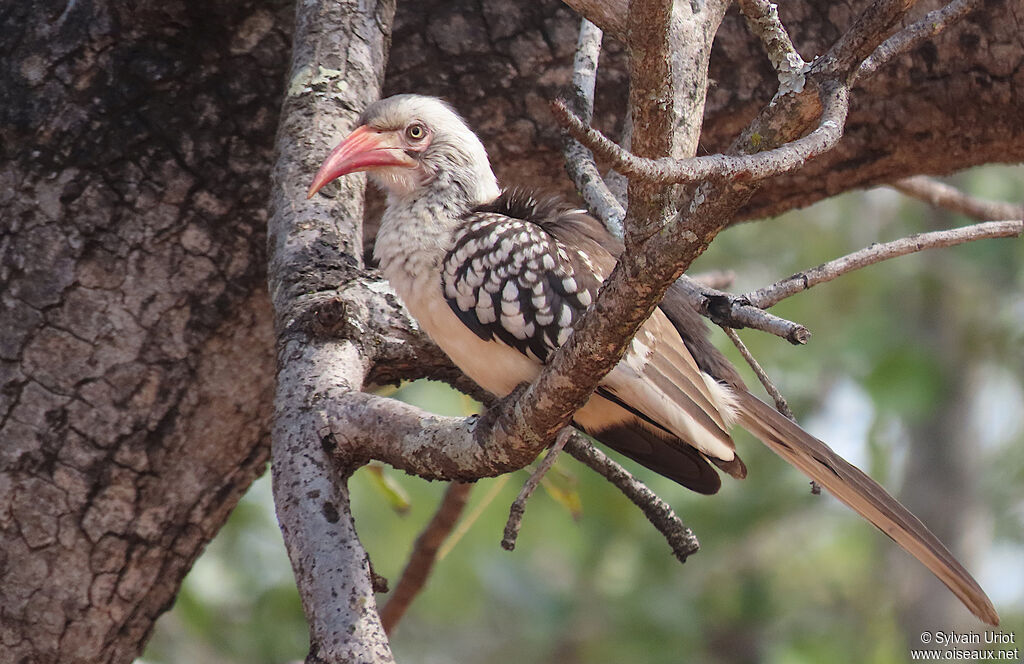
865 496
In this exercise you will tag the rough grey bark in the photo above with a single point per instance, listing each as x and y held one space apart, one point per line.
338 56
135 335
136 345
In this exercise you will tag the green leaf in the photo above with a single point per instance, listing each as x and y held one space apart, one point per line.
393 493
563 487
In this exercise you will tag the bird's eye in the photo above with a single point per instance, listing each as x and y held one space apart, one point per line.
415 132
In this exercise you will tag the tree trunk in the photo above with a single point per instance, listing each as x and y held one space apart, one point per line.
136 344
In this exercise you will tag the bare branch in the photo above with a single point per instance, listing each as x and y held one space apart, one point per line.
430 446
579 161
770 295
780 401
929 26
331 567
941 195
655 259
424 554
736 312
518 508
861 39
682 540
763 19
312 500
748 167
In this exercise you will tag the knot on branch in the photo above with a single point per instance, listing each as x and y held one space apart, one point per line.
719 309
330 319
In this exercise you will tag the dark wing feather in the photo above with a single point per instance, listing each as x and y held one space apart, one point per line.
656 448
508 278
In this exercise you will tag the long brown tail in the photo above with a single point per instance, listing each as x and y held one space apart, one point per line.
865 496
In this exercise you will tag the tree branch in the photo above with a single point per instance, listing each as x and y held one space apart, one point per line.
929 26
424 554
518 508
763 19
682 540
876 253
579 161
751 167
861 39
941 195
653 261
337 65
736 312
575 370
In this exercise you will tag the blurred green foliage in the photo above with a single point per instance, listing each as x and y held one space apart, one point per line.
782 576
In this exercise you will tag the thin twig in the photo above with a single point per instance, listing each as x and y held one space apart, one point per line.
736 312
876 253
752 167
579 161
780 401
941 195
679 537
763 19
862 38
424 554
518 508
930 25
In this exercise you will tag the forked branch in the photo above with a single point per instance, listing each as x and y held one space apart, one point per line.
518 509
902 41
750 167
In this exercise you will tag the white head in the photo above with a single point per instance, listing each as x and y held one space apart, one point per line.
412 146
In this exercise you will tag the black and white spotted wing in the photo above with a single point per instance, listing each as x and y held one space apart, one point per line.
509 278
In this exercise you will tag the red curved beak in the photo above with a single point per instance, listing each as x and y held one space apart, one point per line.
364 149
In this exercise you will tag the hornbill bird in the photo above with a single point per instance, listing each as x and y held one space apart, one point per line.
497 279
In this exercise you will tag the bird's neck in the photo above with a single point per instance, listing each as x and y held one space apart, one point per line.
417 228
415 234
